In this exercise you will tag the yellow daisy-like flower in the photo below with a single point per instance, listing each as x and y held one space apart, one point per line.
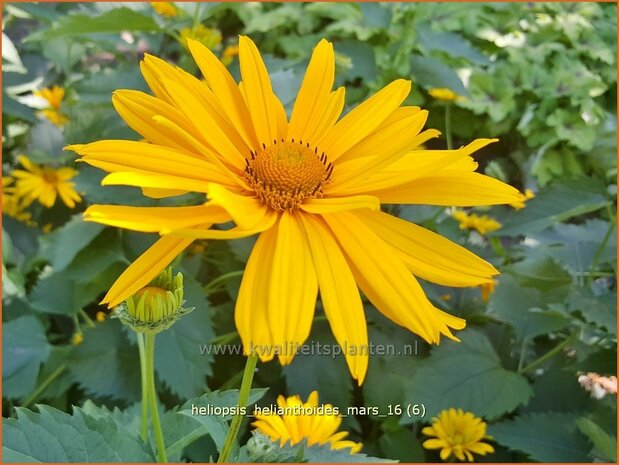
54 97
44 183
528 194
310 185
299 420
482 223
165 8
458 433
444 94
209 37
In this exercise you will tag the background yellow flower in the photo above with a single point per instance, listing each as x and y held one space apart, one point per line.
44 183
482 223
303 420
165 8
457 433
54 97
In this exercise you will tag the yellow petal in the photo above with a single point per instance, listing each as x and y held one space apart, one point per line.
138 110
162 193
378 151
452 188
428 254
330 114
339 295
384 278
364 119
314 93
337 204
155 181
245 211
257 86
293 288
155 219
250 314
222 83
267 222
145 268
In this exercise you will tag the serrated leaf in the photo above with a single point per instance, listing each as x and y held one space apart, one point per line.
545 437
539 271
24 348
58 294
106 364
604 443
466 375
62 245
55 436
113 21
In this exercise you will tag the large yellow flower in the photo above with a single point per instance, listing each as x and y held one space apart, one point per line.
311 186
458 433
44 183
299 420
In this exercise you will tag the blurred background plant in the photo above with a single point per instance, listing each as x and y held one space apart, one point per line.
540 76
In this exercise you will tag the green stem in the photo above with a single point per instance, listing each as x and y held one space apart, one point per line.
144 425
43 386
87 319
448 126
522 354
599 251
248 376
149 350
209 287
548 355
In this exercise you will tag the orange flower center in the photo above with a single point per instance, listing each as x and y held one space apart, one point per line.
286 173
50 176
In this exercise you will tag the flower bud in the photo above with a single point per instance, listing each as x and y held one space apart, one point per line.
155 307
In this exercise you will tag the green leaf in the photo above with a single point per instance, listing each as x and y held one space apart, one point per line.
362 57
553 205
62 245
598 309
261 449
545 437
376 15
184 426
24 348
58 294
431 72
12 107
539 271
520 307
451 43
178 362
113 21
55 436
402 445
106 364
605 444
466 375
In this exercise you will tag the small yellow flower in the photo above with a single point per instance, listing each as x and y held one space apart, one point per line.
44 183
165 8
54 97
444 94
487 289
100 316
211 38
77 338
528 194
458 433
305 420
229 52
483 224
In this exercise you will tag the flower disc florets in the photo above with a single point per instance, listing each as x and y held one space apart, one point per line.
287 172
